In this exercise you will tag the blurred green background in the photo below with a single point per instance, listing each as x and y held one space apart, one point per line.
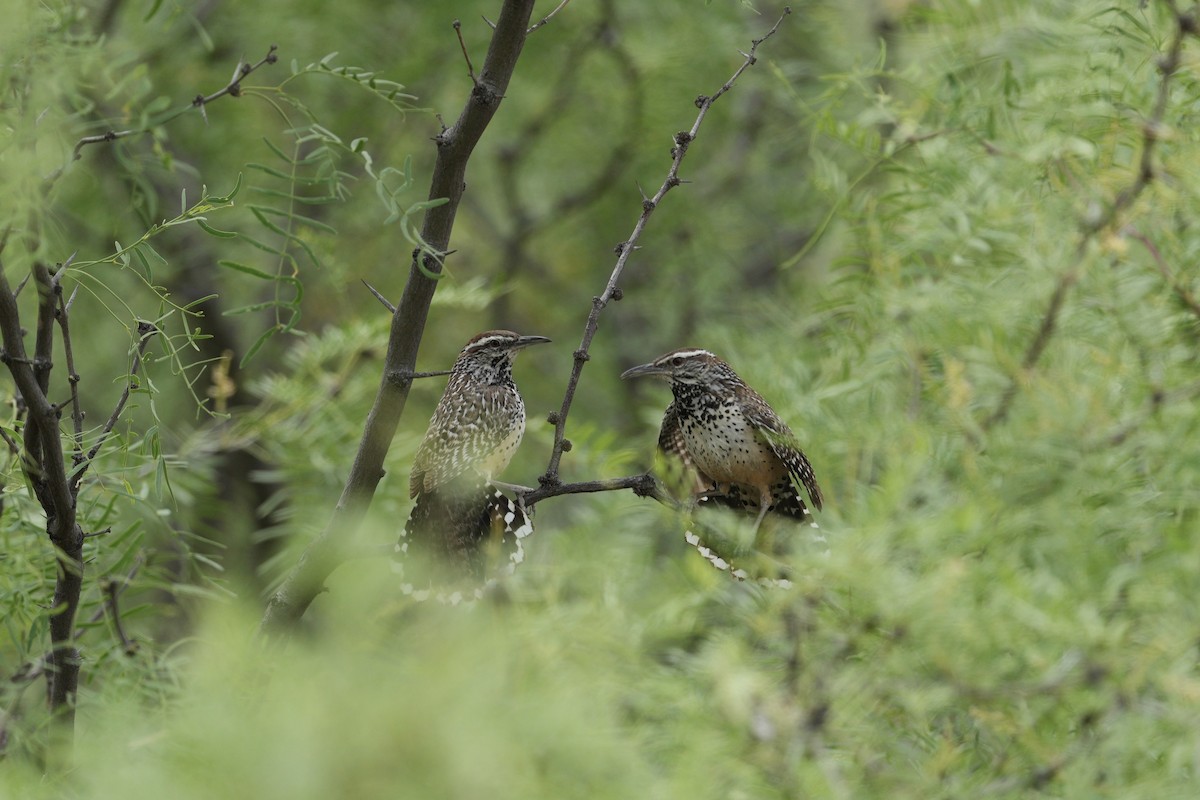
875 222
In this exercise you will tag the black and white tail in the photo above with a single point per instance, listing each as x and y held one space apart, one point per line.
464 542
785 501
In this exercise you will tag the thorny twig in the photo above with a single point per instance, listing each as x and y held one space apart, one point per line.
683 141
233 88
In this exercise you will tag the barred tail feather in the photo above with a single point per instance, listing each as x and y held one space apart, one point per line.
466 541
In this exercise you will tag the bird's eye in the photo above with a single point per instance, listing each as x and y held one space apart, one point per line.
677 361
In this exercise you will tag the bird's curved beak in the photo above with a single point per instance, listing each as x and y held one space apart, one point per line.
526 341
646 369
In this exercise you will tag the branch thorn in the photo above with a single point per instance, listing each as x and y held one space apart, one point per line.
391 308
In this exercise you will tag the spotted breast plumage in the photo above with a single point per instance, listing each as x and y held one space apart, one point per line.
461 518
728 438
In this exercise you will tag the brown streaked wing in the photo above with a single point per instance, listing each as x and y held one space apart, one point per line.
779 437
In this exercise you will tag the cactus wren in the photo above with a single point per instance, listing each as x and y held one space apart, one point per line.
735 446
475 430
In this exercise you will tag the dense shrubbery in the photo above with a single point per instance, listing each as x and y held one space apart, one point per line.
926 232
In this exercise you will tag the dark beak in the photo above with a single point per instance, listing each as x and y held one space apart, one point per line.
646 369
526 341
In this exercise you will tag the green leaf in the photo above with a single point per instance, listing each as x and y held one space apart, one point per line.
248 270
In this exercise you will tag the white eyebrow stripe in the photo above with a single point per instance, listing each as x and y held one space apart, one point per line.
688 354
487 340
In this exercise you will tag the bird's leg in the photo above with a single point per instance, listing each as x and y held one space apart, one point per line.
764 503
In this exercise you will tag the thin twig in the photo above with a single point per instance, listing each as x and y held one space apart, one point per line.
112 590
547 18
12 445
145 331
107 136
233 88
403 376
1158 400
683 140
466 56
1180 290
68 353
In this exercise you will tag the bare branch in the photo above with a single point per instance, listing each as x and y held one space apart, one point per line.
43 347
107 136
683 141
